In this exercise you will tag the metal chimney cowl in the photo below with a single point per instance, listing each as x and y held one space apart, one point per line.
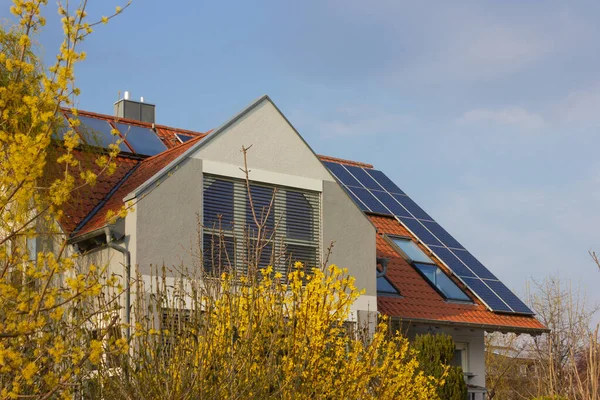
136 110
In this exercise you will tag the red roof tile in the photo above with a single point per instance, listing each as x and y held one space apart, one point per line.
144 171
342 161
85 197
86 200
420 301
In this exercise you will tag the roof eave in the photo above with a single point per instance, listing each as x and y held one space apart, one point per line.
474 325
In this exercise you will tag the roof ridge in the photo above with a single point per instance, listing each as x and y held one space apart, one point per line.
344 161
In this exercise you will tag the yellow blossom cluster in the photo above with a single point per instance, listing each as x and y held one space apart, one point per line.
273 337
48 303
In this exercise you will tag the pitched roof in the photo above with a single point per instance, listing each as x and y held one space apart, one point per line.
89 205
85 198
113 201
420 302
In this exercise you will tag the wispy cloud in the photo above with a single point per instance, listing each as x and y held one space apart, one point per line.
353 120
581 107
515 116
363 125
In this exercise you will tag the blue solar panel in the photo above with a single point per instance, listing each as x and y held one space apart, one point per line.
475 265
441 234
342 174
356 200
486 294
419 230
509 297
412 207
384 181
97 132
452 262
364 178
143 140
370 201
391 203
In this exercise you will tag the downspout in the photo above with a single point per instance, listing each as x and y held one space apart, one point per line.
127 255
384 264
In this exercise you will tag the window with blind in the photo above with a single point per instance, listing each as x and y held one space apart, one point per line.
290 220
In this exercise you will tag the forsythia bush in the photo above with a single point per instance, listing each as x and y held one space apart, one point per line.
53 320
267 338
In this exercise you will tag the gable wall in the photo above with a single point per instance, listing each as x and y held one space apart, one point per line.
166 227
165 223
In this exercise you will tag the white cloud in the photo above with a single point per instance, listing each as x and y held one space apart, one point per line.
514 116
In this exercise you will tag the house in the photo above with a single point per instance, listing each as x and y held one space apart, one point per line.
411 268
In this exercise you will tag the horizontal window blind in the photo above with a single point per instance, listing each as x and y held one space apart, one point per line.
283 223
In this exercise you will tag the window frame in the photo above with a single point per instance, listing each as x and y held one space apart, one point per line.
463 347
392 239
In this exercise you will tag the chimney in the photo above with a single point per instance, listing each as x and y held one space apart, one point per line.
137 110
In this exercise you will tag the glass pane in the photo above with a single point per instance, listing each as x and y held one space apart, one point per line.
457 359
441 281
449 288
385 287
183 138
412 251
299 216
428 271
143 140
218 205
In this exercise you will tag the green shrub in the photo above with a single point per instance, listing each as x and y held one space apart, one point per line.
435 352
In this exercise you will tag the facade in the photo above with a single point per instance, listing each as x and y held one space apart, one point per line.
186 185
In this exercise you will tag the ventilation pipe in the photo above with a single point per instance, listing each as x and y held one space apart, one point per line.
127 255
383 261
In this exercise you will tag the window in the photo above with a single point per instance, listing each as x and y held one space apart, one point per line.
411 250
461 356
440 280
290 218
434 275
385 287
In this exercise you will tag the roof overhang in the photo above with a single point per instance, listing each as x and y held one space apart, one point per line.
474 325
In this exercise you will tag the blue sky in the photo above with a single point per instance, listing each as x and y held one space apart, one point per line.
487 113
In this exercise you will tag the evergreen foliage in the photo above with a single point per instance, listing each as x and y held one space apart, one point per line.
435 352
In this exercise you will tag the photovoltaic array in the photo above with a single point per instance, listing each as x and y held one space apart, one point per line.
374 192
